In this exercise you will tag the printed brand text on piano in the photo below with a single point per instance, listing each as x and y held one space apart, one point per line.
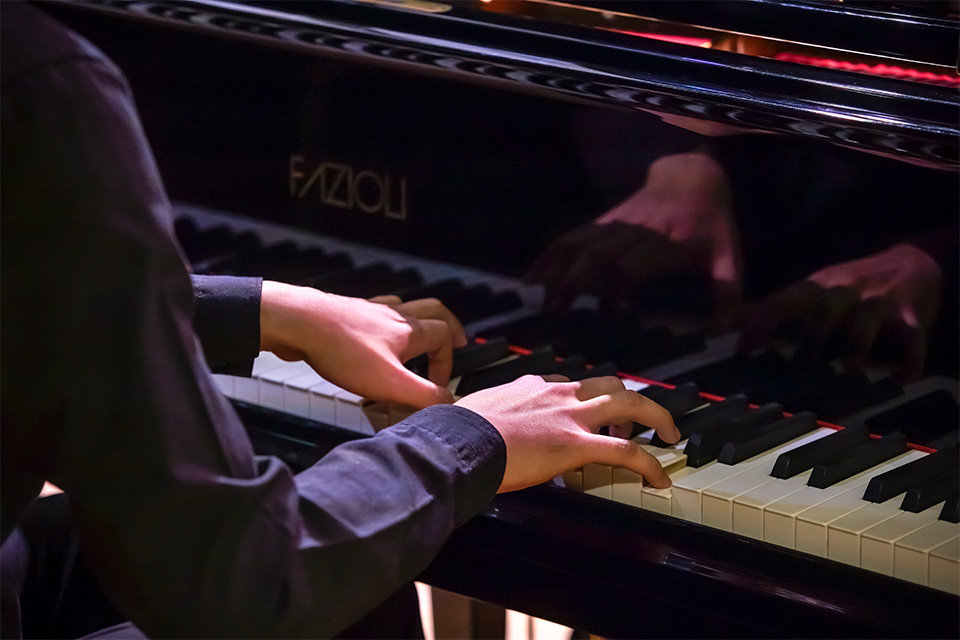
341 185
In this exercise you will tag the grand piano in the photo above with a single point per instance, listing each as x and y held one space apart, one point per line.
432 148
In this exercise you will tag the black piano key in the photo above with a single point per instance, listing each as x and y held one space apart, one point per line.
475 355
238 245
848 392
473 303
928 420
338 282
396 280
529 331
372 280
502 302
308 264
575 368
951 510
538 361
707 417
445 291
596 371
689 342
677 400
253 260
933 491
858 459
574 365
896 481
705 446
202 245
793 385
470 357
768 437
948 440
738 374
795 461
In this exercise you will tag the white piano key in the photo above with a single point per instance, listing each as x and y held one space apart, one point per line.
911 553
627 486
689 484
296 393
670 457
843 534
272 383
398 412
225 383
573 479
323 405
944 570
350 414
657 500
813 524
248 389
719 501
377 415
877 542
598 480
634 385
780 517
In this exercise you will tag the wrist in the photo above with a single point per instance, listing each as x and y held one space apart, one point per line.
280 306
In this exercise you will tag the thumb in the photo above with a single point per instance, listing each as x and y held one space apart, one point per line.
406 387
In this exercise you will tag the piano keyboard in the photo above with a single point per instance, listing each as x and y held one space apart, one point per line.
756 458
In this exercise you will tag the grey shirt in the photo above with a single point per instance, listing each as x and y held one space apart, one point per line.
107 394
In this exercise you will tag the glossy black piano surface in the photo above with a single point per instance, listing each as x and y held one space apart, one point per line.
474 134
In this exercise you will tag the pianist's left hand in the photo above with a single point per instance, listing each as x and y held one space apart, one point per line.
361 345
895 294
679 222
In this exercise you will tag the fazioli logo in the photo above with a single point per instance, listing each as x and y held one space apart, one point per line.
342 186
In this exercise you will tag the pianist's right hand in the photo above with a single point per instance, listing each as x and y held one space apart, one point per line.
361 345
550 426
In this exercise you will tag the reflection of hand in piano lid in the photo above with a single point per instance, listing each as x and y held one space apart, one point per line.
679 222
894 294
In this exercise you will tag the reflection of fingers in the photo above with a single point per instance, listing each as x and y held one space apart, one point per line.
624 453
389 300
757 328
591 268
593 387
586 273
551 267
865 324
652 257
431 308
830 308
727 297
914 354
629 406
763 318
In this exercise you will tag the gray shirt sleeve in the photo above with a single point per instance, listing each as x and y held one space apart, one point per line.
107 393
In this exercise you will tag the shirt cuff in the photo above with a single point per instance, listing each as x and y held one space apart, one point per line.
226 318
479 447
